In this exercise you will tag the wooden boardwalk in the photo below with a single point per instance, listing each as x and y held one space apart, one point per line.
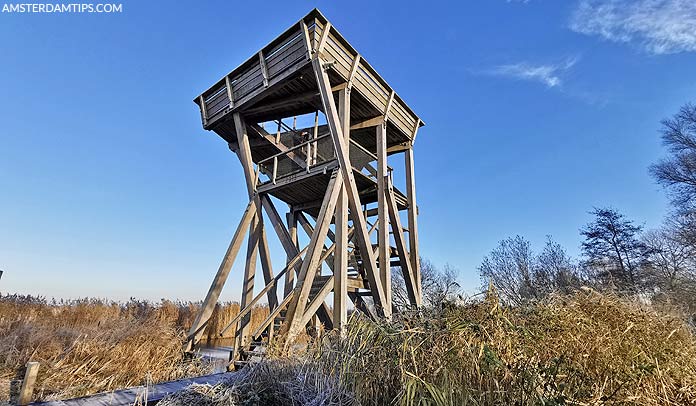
139 394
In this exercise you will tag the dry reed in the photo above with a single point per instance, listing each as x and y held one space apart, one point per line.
583 349
89 346
587 349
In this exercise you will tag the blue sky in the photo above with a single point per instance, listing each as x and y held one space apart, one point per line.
536 112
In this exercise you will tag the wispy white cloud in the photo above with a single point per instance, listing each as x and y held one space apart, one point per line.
549 74
657 26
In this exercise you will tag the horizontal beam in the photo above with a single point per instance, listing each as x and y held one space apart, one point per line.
373 122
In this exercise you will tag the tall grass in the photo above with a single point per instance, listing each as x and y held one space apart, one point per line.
582 349
89 346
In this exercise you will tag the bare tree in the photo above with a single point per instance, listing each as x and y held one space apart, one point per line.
613 250
671 268
519 275
509 268
437 285
677 173
554 271
668 259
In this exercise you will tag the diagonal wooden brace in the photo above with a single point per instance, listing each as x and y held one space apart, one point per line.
312 260
211 298
362 236
406 268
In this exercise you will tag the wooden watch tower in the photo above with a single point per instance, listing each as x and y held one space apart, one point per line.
332 174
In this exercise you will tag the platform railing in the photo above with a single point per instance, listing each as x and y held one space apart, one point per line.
309 154
299 158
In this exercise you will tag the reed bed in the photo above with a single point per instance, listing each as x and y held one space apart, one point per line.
581 349
584 349
90 346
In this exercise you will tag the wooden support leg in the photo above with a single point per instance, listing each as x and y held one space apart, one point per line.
244 154
383 245
340 268
211 298
361 234
412 216
340 308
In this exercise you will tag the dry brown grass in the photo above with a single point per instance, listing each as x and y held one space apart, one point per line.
91 346
584 349
221 317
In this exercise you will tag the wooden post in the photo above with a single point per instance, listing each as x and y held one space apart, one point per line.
275 169
248 282
204 111
412 216
353 70
340 308
277 139
382 213
264 71
230 93
340 269
307 41
315 135
28 384
244 154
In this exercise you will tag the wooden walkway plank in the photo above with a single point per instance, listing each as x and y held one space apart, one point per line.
131 396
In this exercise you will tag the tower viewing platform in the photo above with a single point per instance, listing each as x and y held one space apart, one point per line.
314 126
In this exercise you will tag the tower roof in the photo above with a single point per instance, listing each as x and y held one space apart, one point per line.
278 81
